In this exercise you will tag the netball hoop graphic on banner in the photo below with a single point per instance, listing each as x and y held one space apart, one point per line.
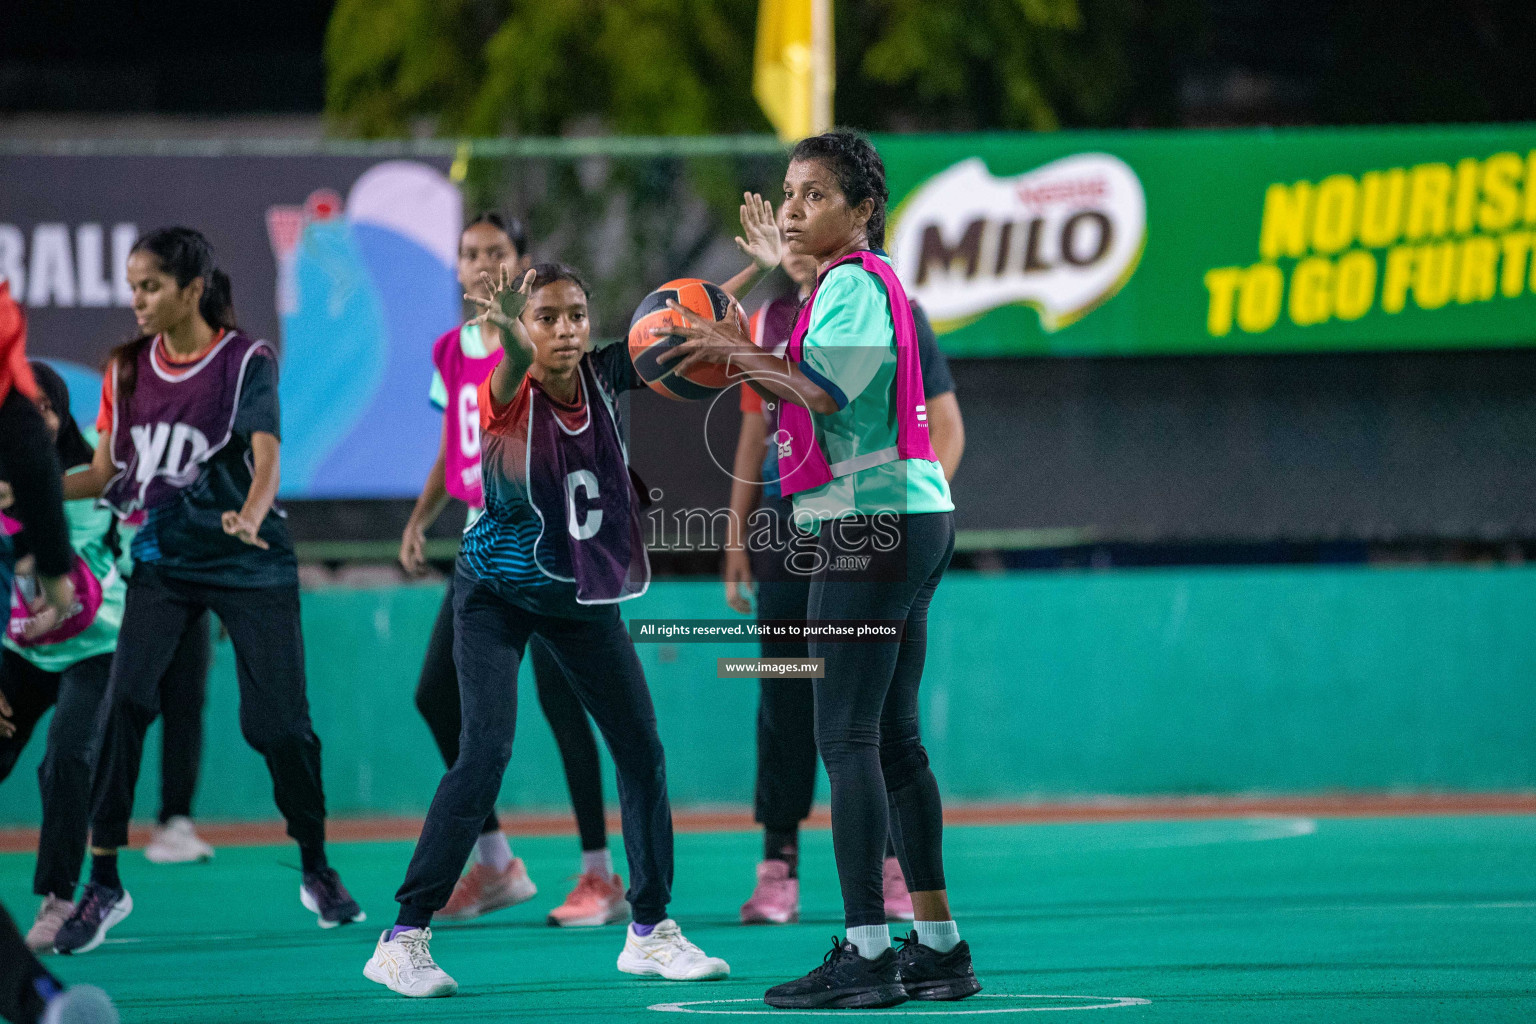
1063 239
363 285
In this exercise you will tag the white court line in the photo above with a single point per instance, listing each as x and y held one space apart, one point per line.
1248 830
1513 905
232 937
1104 1003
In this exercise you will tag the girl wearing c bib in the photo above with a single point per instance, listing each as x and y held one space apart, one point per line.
462 359
557 549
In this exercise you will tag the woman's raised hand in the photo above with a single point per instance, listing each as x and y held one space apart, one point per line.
762 241
505 299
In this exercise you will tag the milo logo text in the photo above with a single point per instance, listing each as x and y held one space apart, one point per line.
1062 238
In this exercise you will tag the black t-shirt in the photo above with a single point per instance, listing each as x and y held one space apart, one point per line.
184 537
936 376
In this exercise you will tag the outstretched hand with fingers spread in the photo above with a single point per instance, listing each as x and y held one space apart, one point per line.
503 306
505 300
762 241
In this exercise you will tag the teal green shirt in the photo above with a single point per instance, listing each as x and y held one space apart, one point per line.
88 527
850 352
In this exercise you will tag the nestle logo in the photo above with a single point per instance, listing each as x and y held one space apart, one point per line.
1081 191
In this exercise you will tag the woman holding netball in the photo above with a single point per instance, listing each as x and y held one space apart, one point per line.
786 744
855 456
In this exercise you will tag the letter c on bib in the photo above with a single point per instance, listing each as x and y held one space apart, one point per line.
583 480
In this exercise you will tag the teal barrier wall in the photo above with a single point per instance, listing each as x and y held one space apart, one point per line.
1038 686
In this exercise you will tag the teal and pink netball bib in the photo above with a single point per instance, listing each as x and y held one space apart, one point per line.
802 464
24 590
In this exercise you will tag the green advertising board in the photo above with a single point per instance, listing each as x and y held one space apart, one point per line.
1141 243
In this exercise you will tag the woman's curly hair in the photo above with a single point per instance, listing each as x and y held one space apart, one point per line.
860 172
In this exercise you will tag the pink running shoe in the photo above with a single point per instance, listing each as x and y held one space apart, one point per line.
595 901
898 901
776 900
483 889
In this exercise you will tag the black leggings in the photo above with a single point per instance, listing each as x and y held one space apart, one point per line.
64 776
599 659
77 695
264 628
866 708
786 740
183 692
437 698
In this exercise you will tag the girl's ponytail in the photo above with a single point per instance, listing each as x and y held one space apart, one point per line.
217 306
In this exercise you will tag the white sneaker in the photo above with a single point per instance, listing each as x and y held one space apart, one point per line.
45 927
666 953
177 842
406 966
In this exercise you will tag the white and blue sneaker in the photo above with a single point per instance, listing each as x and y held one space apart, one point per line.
665 953
405 965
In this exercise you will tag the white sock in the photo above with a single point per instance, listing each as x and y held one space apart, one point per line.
872 939
939 936
493 850
597 862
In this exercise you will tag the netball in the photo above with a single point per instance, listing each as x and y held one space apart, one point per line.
702 297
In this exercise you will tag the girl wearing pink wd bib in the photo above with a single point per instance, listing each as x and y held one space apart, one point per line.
854 454
462 359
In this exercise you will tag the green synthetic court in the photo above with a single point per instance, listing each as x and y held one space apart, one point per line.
1260 919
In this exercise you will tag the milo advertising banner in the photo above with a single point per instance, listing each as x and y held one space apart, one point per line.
1190 242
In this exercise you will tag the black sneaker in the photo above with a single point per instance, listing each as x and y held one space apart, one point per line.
844 979
928 974
98 910
322 893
